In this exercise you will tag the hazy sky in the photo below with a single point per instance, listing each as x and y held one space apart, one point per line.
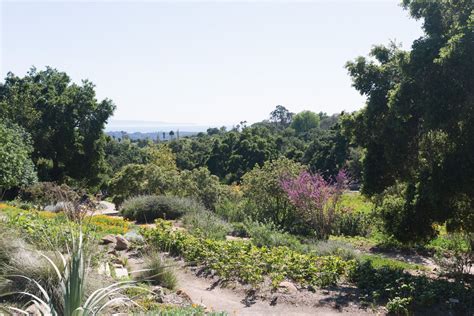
204 62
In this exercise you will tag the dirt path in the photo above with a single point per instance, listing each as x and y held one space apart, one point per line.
222 299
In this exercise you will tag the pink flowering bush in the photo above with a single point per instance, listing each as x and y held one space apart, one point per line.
316 199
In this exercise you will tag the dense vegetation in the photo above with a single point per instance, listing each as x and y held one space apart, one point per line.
280 185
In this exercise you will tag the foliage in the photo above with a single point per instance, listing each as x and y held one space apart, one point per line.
305 121
265 198
72 276
281 117
202 222
65 121
46 230
247 263
159 271
16 167
201 185
457 256
267 235
411 292
147 208
417 127
316 200
42 194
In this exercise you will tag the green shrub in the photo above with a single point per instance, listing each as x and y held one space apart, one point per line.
159 271
268 235
456 258
353 223
232 210
147 208
406 291
333 248
206 224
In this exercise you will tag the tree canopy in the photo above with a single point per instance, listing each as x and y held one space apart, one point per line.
65 121
417 128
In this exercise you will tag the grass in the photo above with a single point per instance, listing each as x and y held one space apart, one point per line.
379 261
356 202
159 271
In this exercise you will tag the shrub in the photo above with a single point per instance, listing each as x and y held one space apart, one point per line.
159 271
333 248
265 198
206 224
316 200
268 235
200 184
43 194
353 223
457 256
147 208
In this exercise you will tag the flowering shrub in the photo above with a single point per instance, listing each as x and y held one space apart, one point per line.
316 199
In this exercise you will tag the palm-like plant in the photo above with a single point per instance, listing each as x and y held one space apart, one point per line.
72 281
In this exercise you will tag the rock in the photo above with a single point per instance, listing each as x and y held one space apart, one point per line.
288 287
454 300
184 296
121 272
109 239
134 237
112 252
121 243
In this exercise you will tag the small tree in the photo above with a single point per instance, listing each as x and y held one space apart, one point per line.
316 200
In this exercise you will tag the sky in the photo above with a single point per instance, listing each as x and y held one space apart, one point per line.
204 62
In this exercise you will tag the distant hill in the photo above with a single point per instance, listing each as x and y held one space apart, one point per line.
149 135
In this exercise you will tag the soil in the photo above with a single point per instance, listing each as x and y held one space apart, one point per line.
241 301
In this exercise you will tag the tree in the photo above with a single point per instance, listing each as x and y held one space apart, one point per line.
305 121
65 121
417 126
281 117
16 166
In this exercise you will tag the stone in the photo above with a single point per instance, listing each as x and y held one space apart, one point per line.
454 300
121 272
109 239
121 243
288 287
184 296
134 237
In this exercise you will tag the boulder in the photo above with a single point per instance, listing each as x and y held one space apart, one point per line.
134 237
107 239
121 243
287 287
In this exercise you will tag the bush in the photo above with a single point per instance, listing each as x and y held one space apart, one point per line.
333 248
457 256
159 271
147 208
265 198
43 194
206 224
268 235
353 223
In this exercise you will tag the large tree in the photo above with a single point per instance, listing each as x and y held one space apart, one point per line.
16 167
418 126
65 121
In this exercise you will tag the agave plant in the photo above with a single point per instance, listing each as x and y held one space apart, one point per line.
72 281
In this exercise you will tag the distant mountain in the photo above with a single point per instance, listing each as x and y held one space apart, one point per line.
149 135
152 126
